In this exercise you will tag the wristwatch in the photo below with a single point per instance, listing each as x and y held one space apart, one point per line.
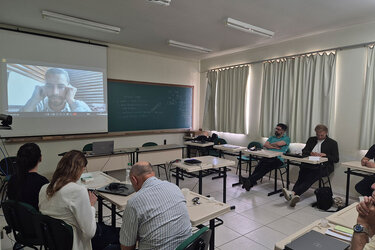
358 228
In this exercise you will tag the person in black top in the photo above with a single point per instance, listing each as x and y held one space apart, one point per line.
364 186
25 184
320 145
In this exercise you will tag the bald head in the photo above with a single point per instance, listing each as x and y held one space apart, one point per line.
141 168
139 173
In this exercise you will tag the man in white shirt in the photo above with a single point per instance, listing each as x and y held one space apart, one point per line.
320 145
156 215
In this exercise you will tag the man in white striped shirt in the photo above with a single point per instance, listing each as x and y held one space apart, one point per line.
156 215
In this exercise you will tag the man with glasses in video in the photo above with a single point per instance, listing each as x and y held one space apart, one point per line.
57 95
279 142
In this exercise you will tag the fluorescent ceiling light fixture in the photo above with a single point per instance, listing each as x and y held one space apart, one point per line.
79 22
161 2
233 23
188 46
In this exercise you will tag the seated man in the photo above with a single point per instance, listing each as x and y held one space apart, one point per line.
278 142
57 95
319 145
364 186
156 215
365 227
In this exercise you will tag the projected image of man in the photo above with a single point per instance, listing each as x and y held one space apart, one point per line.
57 95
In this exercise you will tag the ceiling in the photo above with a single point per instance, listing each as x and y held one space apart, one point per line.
149 26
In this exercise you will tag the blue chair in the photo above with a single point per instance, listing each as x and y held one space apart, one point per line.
215 152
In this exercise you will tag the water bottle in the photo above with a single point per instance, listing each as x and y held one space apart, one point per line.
127 176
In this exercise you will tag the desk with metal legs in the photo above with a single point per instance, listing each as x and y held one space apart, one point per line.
207 162
207 210
355 168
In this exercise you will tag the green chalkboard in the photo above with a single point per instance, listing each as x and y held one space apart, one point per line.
134 106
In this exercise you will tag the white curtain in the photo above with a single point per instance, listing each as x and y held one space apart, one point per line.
230 102
299 92
367 137
209 118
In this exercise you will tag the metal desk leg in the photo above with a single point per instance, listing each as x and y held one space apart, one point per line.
113 215
100 209
347 187
225 185
239 171
177 176
212 240
287 174
200 182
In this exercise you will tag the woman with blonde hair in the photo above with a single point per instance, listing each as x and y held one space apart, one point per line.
66 200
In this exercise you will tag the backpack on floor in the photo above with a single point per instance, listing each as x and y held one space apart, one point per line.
324 198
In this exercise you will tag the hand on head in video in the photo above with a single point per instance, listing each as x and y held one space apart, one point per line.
70 93
39 93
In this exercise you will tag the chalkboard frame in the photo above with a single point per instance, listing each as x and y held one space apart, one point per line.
109 81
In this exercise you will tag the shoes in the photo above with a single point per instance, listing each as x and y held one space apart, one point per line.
295 199
246 184
288 195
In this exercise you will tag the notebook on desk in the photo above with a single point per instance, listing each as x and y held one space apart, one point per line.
102 147
316 241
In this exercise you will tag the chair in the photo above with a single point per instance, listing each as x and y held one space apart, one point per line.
56 234
246 159
21 218
7 169
87 147
150 144
198 241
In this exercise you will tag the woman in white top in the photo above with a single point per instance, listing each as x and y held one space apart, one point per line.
64 199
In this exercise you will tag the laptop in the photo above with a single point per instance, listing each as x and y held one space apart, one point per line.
316 241
102 147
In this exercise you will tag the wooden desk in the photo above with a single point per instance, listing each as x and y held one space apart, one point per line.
355 168
298 161
263 153
122 157
208 210
208 162
159 154
347 214
197 145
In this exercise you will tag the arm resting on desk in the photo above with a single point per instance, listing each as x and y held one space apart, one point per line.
366 217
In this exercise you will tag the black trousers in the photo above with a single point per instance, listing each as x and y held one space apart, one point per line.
307 176
364 186
106 237
264 166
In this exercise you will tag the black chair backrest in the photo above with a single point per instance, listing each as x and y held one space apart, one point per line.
255 144
57 235
22 218
200 243
87 147
8 165
149 144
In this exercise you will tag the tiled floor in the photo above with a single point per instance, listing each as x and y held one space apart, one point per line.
257 222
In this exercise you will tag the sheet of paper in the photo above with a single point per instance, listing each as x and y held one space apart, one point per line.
314 158
341 236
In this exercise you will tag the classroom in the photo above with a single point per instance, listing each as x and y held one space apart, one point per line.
146 47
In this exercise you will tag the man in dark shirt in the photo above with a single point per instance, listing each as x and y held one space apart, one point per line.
320 145
25 184
364 186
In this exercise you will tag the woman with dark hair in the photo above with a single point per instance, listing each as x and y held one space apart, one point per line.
26 183
66 200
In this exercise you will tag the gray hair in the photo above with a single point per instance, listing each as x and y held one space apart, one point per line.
141 168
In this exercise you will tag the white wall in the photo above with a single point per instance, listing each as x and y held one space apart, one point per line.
128 64
350 87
